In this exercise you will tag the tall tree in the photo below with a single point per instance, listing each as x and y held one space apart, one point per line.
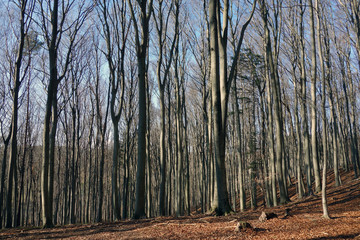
18 73
101 121
273 86
319 12
222 205
303 110
162 72
315 160
116 28
179 157
53 30
221 83
141 44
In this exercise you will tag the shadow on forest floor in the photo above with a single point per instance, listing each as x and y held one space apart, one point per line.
303 222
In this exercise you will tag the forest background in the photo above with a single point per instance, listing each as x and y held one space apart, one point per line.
118 109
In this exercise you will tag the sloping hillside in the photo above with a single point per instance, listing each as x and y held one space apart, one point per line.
303 222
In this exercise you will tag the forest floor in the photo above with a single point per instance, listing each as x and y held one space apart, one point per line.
303 222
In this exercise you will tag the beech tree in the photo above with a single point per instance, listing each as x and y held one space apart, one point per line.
273 85
116 27
18 74
141 44
216 106
221 83
162 72
313 100
53 29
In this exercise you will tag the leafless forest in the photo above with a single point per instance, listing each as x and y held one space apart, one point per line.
113 110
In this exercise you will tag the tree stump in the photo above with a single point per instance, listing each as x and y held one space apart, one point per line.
266 216
287 212
243 226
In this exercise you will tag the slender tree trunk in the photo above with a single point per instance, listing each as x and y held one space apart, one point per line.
114 175
351 130
162 155
50 124
315 160
148 157
3 169
73 170
333 116
169 193
162 81
14 119
270 136
351 109
242 194
222 204
324 122
303 112
179 141
22 171
298 139
140 176
274 82
323 193
141 50
67 170
13 154
187 157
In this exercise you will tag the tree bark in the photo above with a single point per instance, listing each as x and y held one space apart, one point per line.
303 111
17 80
222 204
315 160
141 50
275 88
162 81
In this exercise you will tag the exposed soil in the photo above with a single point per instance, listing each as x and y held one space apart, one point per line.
304 221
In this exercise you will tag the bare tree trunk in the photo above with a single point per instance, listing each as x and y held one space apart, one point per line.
350 98
114 175
102 126
270 136
162 80
179 137
129 115
22 168
303 112
351 130
51 109
333 116
313 101
73 162
323 194
295 61
162 156
187 157
298 138
115 59
17 80
275 88
222 204
169 192
242 194
47 137
140 176
6 142
141 50
324 122
148 157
